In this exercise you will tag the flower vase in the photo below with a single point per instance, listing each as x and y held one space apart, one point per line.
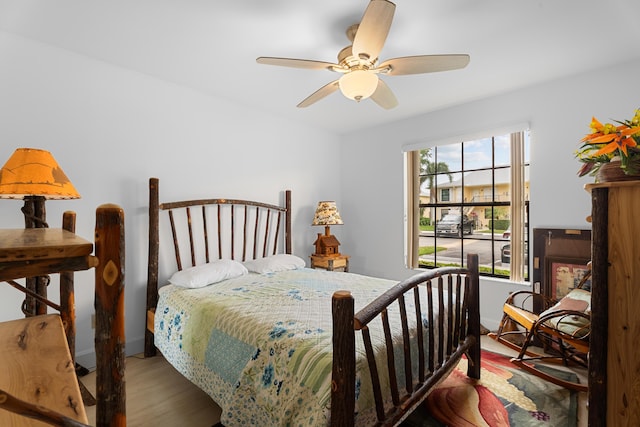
611 172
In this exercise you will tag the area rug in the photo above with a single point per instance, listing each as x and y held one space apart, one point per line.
504 396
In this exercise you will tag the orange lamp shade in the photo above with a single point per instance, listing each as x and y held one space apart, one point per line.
34 172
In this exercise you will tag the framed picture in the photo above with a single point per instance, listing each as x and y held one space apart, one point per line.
562 246
564 274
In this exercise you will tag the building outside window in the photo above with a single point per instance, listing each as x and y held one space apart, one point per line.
470 197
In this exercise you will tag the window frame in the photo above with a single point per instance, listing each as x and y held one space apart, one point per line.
519 270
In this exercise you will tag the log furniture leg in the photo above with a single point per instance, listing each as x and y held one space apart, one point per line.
35 217
109 305
68 310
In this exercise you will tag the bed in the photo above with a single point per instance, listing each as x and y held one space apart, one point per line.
282 344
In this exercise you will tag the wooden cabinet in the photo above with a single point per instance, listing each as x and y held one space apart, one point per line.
614 359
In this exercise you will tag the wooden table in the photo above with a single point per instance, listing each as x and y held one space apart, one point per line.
40 251
330 262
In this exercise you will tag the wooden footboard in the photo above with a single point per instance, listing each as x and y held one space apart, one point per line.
457 334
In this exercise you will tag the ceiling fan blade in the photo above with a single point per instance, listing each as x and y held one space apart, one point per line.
298 63
384 97
423 64
373 29
316 96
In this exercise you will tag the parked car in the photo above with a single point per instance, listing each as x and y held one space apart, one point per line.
454 225
505 253
505 250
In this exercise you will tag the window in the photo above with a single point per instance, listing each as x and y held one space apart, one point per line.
470 197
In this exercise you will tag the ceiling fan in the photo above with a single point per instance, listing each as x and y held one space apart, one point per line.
358 63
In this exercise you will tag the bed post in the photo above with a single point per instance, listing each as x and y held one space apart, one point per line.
152 273
343 376
109 305
473 370
287 223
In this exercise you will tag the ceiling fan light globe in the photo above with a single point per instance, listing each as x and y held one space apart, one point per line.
358 84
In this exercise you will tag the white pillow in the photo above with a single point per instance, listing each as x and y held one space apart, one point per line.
207 274
274 263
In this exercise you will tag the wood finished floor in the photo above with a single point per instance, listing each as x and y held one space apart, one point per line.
158 396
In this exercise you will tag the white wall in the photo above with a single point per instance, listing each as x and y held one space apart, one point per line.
559 113
111 130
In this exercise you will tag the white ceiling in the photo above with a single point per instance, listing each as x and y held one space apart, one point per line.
211 46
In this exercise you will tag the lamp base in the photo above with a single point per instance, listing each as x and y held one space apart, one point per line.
326 245
35 217
34 212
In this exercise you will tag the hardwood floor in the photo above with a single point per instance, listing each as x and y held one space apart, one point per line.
158 396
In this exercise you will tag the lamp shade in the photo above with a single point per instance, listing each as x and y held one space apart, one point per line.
327 214
358 84
34 172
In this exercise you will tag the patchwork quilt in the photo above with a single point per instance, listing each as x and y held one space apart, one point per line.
260 344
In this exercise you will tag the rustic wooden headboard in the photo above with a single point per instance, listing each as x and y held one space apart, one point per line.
208 229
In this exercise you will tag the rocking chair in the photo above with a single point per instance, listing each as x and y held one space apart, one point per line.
559 334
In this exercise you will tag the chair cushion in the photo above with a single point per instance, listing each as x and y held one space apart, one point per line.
577 326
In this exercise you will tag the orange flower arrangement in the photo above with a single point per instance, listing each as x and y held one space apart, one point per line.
611 142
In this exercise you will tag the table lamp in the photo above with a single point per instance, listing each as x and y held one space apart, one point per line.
327 214
34 176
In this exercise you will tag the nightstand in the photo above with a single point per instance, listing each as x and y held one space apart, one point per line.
331 262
